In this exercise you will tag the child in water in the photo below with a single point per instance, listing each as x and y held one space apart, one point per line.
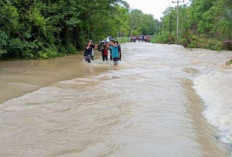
105 54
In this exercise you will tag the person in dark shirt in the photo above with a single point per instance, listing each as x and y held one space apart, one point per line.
88 51
110 54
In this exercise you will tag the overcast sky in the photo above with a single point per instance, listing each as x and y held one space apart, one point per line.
154 7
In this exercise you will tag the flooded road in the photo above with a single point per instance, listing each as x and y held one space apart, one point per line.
159 102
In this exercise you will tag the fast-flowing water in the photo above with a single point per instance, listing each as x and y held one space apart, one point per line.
161 101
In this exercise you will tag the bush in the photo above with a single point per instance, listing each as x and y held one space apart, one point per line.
72 50
3 38
214 45
2 52
188 39
123 39
227 44
230 61
16 45
160 38
49 52
164 38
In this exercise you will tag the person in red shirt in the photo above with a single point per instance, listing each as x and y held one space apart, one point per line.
105 54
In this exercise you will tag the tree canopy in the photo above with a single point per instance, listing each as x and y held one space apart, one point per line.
48 28
205 23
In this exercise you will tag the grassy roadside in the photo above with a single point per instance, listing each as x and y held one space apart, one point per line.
230 61
54 53
123 39
190 40
43 55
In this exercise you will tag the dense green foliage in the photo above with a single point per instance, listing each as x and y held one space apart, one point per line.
123 39
205 24
140 23
44 29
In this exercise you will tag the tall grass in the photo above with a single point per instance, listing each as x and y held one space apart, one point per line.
123 39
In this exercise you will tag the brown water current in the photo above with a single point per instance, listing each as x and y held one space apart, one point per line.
146 107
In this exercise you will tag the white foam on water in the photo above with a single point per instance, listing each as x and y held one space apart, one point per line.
215 90
99 63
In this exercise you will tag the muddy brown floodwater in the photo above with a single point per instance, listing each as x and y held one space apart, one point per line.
154 104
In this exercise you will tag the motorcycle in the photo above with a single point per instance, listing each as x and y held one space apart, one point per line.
101 45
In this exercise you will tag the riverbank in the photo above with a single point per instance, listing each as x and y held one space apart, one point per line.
194 41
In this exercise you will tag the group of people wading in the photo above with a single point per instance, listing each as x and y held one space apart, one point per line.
113 46
143 38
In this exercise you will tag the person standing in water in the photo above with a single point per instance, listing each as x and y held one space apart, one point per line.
114 49
105 54
92 54
88 51
110 54
119 51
